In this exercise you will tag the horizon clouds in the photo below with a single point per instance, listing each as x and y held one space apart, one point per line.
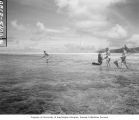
72 25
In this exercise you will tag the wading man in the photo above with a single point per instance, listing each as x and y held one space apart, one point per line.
46 56
108 59
123 58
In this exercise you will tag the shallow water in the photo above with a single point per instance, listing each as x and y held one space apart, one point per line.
68 84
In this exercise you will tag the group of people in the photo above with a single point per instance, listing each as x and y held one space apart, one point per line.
108 58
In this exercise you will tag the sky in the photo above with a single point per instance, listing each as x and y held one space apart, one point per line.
71 26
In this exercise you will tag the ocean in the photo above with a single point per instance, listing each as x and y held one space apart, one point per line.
68 84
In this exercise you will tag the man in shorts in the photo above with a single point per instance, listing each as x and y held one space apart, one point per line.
123 58
46 56
108 59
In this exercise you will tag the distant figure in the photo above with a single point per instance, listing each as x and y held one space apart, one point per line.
100 59
108 59
46 56
123 58
125 50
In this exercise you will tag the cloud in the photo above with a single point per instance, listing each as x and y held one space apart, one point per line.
90 24
17 26
115 32
42 33
86 44
83 6
90 17
85 13
79 48
31 2
129 11
93 10
116 35
42 28
133 41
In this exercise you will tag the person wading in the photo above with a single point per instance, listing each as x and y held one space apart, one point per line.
108 59
123 57
46 56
